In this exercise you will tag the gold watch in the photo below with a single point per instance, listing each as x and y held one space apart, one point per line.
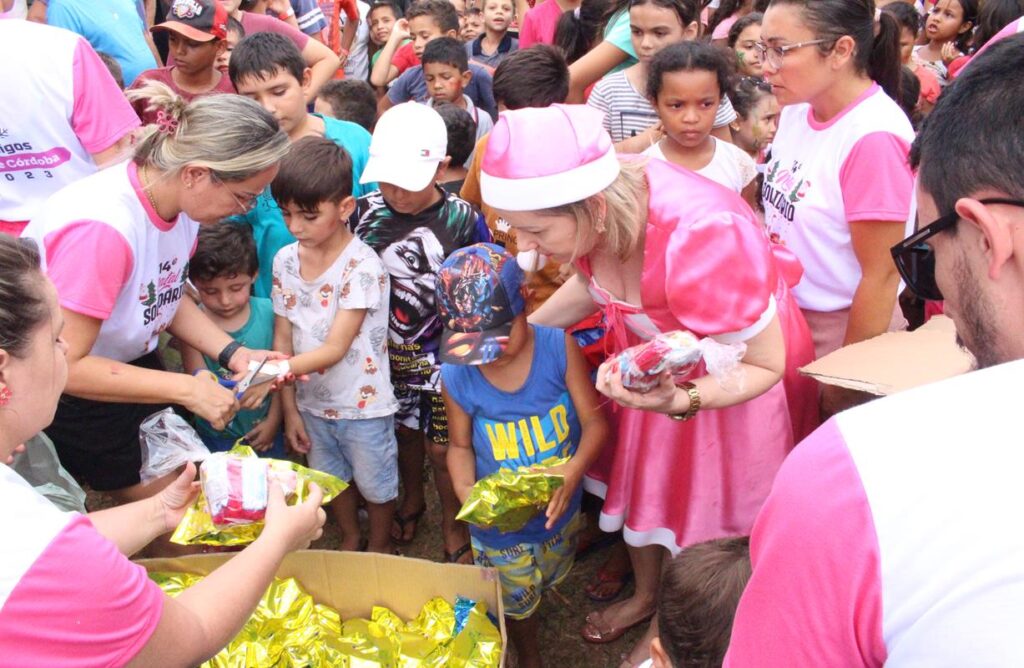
694 395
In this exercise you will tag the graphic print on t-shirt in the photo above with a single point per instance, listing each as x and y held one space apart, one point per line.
412 248
531 439
783 189
160 297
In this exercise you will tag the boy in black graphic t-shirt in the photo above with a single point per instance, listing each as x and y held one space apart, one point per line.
414 225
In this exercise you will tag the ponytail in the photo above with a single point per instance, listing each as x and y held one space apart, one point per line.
876 36
578 29
884 65
230 135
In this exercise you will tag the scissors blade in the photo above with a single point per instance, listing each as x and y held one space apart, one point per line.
244 384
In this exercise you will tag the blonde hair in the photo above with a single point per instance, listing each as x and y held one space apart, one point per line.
230 135
624 215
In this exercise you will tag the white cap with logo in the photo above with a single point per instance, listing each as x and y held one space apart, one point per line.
409 142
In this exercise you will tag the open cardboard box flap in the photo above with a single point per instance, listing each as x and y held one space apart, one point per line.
353 582
895 361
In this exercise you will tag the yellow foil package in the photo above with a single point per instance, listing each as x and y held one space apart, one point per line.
289 629
197 527
509 498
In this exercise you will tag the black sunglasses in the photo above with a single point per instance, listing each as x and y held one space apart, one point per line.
915 259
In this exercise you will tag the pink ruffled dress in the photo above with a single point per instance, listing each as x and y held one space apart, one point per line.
708 268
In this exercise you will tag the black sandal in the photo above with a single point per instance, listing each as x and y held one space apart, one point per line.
404 520
453 557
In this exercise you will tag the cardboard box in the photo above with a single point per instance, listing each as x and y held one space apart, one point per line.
354 582
895 361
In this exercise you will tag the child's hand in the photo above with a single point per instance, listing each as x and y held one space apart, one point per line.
400 31
295 435
261 437
950 53
255 395
562 497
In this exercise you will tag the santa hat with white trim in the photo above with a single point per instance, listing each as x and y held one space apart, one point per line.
548 157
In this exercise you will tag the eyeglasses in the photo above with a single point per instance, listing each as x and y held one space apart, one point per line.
244 207
774 55
915 259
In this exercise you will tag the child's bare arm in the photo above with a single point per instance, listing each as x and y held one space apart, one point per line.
343 331
383 71
191 359
461 461
294 429
593 429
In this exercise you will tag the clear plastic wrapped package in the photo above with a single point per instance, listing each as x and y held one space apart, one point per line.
168 442
679 353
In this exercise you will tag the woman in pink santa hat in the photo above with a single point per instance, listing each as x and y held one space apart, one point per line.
660 248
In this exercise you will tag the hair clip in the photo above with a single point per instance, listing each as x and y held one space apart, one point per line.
166 122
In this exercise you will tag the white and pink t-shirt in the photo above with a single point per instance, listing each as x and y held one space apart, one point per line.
67 596
823 176
111 257
892 536
59 105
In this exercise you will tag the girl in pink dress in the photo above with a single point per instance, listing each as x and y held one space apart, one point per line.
659 249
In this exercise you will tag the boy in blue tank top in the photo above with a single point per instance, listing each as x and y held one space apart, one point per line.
516 394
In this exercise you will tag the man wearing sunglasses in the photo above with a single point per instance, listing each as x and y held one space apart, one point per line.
893 534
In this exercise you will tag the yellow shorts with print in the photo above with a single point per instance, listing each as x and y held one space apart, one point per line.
526 570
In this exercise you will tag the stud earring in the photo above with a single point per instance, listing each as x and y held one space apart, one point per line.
5 396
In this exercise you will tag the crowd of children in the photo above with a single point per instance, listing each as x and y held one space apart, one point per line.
370 256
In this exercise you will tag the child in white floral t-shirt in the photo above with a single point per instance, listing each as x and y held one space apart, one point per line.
330 295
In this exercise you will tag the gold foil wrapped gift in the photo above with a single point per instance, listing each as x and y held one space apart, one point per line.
509 498
289 629
197 527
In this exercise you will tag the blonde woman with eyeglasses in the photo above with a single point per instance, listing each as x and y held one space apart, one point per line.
838 190
116 246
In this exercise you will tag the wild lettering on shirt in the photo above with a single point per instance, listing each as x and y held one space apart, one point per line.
166 291
531 439
783 188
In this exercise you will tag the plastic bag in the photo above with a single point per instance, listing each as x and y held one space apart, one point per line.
679 353
509 498
168 442
41 468
197 527
237 488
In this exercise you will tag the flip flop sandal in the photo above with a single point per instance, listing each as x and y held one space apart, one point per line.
594 635
587 548
453 557
403 521
604 577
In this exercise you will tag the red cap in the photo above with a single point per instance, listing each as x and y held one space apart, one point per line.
197 20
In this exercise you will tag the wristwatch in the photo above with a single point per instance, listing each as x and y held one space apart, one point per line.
694 394
224 359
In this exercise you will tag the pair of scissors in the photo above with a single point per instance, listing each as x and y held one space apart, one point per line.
239 386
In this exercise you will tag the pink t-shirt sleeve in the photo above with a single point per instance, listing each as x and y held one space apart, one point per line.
876 179
89 263
735 251
101 115
527 31
81 603
815 597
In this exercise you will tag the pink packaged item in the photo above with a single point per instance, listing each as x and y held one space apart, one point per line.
236 487
678 352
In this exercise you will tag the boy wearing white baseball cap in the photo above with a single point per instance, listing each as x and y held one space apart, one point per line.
414 225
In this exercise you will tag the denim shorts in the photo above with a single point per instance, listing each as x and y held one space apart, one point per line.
362 450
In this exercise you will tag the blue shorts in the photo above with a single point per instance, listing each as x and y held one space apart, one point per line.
362 450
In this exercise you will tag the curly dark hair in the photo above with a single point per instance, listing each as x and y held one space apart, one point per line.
687 57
